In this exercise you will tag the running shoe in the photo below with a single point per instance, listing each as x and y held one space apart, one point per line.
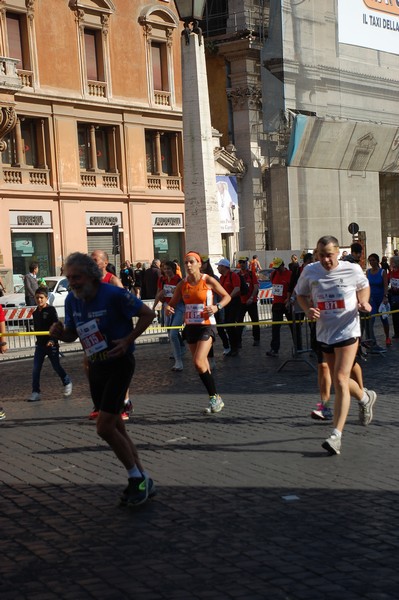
138 491
332 444
226 351
125 416
125 494
322 412
34 397
388 341
271 353
376 349
366 410
129 407
2 414
215 405
68 389
93 415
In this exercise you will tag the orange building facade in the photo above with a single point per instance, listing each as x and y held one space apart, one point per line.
98 140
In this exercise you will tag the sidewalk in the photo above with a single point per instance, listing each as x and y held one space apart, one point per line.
249 505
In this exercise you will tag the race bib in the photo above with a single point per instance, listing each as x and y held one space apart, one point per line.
278 289
91 338
394 283
331 303
194 314
169 290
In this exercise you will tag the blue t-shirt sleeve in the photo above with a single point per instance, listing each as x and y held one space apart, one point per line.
130 305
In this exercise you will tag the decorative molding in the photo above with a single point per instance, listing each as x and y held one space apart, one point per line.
30 9
105 24
8 120
251 94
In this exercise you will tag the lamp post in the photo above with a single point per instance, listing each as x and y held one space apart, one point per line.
202 222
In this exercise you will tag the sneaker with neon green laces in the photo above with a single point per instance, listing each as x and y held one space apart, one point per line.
215 405
123 500
137 492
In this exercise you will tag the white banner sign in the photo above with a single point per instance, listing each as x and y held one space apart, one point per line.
369 23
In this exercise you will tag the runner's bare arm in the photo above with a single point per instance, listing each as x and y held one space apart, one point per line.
176 298
363 299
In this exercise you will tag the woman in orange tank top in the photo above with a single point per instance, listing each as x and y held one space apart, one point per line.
196 291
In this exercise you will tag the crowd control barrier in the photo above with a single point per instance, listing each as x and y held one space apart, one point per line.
19 324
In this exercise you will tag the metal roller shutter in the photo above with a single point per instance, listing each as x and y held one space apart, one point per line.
103 241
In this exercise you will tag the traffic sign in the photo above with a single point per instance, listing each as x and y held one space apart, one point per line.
353 228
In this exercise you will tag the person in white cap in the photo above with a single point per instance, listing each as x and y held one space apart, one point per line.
231 283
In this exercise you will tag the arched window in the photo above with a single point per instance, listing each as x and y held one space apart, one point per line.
92 21
159 24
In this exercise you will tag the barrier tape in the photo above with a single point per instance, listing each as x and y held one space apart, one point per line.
245 324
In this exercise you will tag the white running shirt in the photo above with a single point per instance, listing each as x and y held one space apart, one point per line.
334 293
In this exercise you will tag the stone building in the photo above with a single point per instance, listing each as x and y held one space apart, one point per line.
97 136
310 101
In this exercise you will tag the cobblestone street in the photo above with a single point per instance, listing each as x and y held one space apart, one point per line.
249 505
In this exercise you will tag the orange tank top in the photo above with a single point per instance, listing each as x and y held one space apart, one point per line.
195 298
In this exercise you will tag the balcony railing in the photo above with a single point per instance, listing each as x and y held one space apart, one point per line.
9 79
100 180
97 89
25 77
26 176
164 182
162 98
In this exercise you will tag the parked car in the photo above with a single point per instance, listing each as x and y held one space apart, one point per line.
58 290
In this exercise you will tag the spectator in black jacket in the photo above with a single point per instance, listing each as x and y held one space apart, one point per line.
43 317
150 283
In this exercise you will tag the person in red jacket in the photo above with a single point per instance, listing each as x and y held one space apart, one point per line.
280 278
231 283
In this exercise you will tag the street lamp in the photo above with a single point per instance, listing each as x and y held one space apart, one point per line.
202 221
190 9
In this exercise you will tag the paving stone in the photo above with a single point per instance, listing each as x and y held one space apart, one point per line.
221 526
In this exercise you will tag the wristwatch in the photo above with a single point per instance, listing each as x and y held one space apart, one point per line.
219 306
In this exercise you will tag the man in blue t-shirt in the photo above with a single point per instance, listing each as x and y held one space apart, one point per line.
101 316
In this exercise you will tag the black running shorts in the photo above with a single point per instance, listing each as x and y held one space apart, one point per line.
109 382
198 333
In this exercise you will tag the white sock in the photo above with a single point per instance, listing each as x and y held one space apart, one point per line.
365 399
134 472
337 433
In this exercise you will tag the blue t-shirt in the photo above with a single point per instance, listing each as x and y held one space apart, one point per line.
112 308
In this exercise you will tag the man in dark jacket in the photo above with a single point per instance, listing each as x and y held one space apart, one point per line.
150 283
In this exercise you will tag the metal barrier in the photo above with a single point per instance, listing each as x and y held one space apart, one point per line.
19 320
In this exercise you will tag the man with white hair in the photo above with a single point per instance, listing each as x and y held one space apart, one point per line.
101 316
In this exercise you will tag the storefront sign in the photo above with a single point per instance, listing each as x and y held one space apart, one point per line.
167 221
27 219
103 219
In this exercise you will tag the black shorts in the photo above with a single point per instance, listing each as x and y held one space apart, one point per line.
199 333
109 382
329 348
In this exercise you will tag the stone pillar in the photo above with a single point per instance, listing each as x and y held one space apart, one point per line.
202 222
